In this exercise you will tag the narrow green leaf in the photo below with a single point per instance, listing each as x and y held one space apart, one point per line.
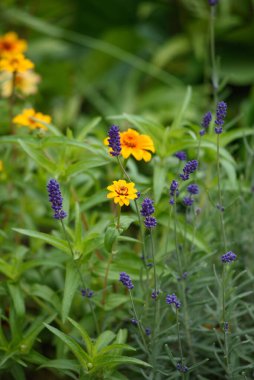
70 286
77 350
104 339
17 298
38 157
53 240
85 336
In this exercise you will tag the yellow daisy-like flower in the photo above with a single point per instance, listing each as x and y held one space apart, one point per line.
10 43
132 143
31 119
15 63
122 192
25 83
137 145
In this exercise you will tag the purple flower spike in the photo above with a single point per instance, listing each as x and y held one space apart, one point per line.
213 2
188 201
193 189
172 299
150 222
189 168
221 113
228 257
56 199
126 281
147 207
207 118
181 155
114 141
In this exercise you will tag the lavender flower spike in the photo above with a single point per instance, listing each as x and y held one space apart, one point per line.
189 168
172 299
213 2
221 113
228 257
126 280
181 155
114 141
207 118
147 207
56 199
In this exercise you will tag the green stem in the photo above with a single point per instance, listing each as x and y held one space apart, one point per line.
179 339
118 217
215 80
220 196
154 266
12 99
81 277
139 325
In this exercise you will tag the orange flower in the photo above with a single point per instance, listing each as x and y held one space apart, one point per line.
15 63
122 192
25 83
132 143
31 119
10 43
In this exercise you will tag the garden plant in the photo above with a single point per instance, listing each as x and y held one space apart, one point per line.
126 191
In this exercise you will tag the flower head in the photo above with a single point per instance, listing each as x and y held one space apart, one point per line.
172 299
188 201
147 207
15 63
155 294
173 190
148 331
189 168
181 155
150 222
193 189
114 141
221 113
122 192
182 368
56 199
32 119
10 43
126 280
207 118
213 2
1 166
25 83
134 321
137 145
228 257
87 293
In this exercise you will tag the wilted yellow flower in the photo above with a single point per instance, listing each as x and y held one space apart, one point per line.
132 143
25 83
31 119
15 63
10 43
122 192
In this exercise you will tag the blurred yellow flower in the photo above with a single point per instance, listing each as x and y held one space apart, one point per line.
25 83
132 143
10 43
1 166
122 192
15 63
32 119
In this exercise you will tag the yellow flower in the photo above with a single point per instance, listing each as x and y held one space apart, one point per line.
122 192
25 83
132 143
15 63
31 119
10 43
1 166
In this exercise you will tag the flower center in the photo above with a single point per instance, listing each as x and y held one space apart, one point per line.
7 45
31 120
130 141
122 190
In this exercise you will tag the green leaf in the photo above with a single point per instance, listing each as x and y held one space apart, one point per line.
85 336
53 240
88 128
77 350
103 340
70 286
178 120
38 157
17 298
159 179
62 364
110 237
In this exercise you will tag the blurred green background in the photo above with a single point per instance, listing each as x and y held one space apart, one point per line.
135 56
